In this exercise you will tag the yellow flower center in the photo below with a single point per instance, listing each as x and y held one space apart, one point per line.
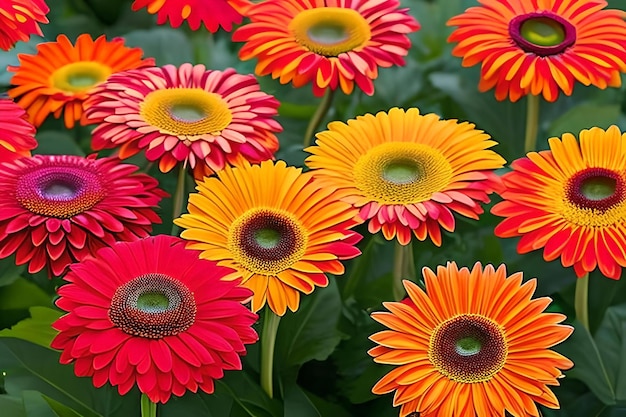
402 173
79 77
594 197
330 31
267 241
188 112
468 348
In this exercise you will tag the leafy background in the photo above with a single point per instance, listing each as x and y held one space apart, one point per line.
321 364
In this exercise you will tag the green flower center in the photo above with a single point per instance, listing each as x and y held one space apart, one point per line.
468 346
267 238
152 302
543 31
187 112
401 172
598 188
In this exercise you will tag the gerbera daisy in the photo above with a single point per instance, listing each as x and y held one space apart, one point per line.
151 313
278 229
17 135
570 201
331 43
407 172
213 14
19 19
60 76
57 209
530 47
187 115
473 344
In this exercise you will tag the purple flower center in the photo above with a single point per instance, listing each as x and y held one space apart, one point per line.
542 33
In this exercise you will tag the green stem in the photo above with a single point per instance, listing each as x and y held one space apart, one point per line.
319 115
268 341
581 300
179 194
148 408
532 122
403 268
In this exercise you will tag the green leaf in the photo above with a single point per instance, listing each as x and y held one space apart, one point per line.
166 45
22 294
611 340
53 142
36 329
38 405
584 116
298 404
60 409
217 404
12 406
9 271
249 395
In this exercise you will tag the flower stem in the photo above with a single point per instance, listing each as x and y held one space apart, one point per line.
581 303
177 204
403 268
148 408
532 122
268 340
319 115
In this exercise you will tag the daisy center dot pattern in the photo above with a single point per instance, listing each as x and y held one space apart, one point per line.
267 241
79 77
188 112
153 306
330 31
402 173
468 348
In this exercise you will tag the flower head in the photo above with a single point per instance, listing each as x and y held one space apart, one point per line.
473 344
187 115
57 209
329 43
570 201
529 47
60 76
19 19
278 229
151 313
213 14
406 172
17 135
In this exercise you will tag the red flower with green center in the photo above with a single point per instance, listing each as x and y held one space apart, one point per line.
17 134
150 313
531 47
570 201
58 209
19 19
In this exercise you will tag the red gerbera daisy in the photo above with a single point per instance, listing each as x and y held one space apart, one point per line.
16 133
187 114
57 209
151 313
213 14
19 19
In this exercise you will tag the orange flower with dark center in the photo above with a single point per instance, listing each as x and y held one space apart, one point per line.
474 343
542 48
213 14
570 201
187 114
60 76
19 19
329 43
279 229
17 135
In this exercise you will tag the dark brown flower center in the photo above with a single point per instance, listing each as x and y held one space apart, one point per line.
596 189
468 348
153 306
59 191
542 33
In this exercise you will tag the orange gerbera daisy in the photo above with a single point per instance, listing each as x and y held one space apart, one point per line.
331 43
542 47
17 135
473 344
571 201
407 172
278 229
19 19
213 14
187 114
60 76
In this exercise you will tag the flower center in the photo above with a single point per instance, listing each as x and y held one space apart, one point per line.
402 173
542 33
595 197
267 241
330 31
59 191
79 77
468 348
153 306
186 112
